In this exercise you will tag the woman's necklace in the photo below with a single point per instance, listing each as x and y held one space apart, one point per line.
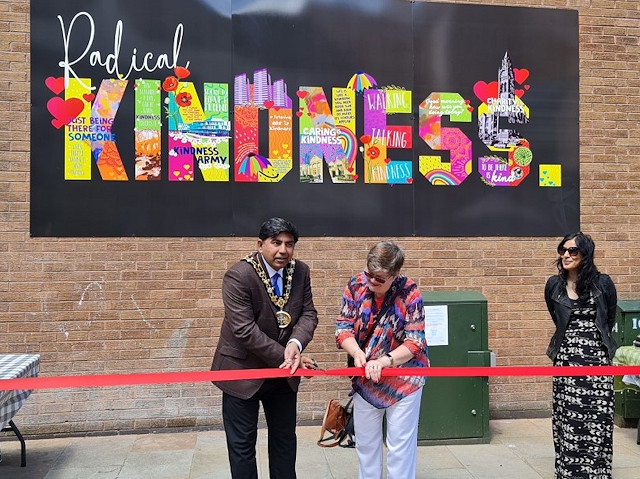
571 289
283 317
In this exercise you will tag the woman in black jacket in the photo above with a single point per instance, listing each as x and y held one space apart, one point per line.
582 304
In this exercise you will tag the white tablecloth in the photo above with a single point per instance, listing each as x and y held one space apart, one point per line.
13 366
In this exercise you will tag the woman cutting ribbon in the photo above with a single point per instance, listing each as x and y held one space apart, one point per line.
381 325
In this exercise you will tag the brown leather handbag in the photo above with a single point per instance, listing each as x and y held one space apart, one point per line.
338 422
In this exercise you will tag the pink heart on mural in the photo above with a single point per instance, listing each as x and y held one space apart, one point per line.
520 74
57 123
485 90
302 93
88 97
268 103
56 85
64 111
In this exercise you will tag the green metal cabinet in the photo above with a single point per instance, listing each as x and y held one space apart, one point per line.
456 409
625 330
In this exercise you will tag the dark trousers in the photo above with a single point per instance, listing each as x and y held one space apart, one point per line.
240 417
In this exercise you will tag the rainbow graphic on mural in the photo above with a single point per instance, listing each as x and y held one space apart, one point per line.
349 143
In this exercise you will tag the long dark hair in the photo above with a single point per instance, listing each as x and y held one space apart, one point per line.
587 270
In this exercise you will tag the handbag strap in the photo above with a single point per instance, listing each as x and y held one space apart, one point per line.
382 312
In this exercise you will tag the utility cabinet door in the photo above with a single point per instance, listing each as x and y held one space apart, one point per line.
627 327
457 407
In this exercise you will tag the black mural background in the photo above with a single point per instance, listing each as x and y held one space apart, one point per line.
423 47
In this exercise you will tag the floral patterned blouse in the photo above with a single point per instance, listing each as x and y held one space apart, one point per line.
402 323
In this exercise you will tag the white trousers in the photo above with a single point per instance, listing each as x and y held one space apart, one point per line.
402 437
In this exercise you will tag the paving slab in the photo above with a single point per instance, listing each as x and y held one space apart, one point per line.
518 448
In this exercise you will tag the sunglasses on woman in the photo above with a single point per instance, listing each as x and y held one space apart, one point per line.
378 279
573 251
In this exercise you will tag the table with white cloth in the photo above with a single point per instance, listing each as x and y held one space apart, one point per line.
629 356
14 366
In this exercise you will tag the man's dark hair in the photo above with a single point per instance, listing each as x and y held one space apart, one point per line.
274 226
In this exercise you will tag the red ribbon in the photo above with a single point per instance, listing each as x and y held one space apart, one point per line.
58 382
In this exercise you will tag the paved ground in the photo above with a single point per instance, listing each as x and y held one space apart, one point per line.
519 449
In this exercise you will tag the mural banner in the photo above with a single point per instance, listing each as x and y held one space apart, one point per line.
357 118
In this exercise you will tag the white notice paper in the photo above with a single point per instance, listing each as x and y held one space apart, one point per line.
436 325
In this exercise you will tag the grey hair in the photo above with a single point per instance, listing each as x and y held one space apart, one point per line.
386 256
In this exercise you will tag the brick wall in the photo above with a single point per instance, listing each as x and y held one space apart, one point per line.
116 305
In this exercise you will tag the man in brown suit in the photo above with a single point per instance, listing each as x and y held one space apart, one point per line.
269 318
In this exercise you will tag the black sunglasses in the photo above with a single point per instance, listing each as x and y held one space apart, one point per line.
378 279
573 250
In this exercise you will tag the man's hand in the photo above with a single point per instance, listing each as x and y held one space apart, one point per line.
309 363
292 357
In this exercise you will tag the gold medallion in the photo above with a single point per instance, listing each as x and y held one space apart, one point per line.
284 319
278 301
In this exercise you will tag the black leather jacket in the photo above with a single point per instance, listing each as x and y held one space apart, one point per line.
559 306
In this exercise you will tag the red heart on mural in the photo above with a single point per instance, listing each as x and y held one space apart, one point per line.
486 90
65 111
56 85
268 103
298 114
519 92
355 177
520 74
57 123
387 160
302 93
88 97
409 180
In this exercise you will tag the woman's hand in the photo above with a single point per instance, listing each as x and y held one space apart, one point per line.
359 358
351 347
373 369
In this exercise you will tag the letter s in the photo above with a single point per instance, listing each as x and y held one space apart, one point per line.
432 109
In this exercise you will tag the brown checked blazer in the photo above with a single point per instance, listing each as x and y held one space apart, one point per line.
250 337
